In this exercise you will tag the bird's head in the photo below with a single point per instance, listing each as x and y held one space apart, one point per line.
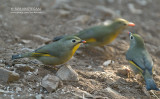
122 23
72 41
136 40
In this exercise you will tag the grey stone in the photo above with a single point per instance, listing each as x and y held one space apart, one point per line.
106 63
50 82
67 73
8 76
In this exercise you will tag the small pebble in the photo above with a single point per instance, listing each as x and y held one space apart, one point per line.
106 63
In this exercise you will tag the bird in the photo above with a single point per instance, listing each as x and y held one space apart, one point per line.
55 53
102 34
140 60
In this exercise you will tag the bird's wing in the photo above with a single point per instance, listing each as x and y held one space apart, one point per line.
138 62
86 34
140 66
47 50
148 62
142 62
91 34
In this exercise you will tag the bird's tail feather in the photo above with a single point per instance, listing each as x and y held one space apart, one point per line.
151 85
16 56
21 56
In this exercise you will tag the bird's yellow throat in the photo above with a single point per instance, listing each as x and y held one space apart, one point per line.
75 48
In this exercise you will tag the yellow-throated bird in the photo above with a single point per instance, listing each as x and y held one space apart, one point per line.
103 34
55 53
140 60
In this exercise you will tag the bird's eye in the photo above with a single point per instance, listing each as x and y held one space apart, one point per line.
131 37
124 24
73 41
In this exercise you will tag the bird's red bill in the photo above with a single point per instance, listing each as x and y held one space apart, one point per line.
83 41
131 24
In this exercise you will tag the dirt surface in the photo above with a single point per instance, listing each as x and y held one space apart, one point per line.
21 33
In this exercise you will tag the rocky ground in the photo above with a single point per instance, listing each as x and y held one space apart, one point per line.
96 74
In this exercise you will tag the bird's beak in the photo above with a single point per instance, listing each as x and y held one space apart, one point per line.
131 24
82 41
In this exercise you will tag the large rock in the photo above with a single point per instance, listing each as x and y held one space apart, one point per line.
50 82
67 73
8 76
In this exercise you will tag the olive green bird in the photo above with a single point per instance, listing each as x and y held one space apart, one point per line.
140 60
102 34
55 53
